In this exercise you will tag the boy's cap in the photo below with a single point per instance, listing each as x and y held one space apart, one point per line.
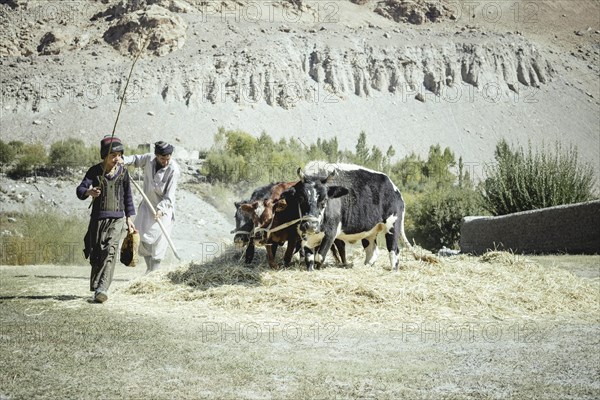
105 146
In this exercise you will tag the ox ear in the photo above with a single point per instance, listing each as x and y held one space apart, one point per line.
333 192
301 174
249 208
329 178
280 205
237 204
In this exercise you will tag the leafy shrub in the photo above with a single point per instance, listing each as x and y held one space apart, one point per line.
7 153
72 153
17 145
435 217
30 158
523 180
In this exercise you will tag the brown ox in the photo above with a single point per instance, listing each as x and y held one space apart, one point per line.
272 233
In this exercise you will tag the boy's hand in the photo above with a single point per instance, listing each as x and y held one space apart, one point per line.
130 225
93 191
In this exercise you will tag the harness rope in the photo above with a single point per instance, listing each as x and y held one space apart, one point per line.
270 230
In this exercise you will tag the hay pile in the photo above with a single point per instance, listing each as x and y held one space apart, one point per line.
496 286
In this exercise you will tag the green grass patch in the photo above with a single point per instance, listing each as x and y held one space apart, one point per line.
42 237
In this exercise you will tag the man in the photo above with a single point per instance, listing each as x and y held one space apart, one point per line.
108 184
161 174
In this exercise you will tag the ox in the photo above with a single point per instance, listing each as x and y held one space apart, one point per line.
273 232
244 225
353 204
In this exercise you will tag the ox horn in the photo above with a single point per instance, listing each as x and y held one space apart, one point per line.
330 176
300 174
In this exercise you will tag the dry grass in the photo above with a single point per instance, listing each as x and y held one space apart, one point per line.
496 286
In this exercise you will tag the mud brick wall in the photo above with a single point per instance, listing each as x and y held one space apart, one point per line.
573 229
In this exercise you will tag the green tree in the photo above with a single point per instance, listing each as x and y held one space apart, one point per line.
437 166
408 172
362 151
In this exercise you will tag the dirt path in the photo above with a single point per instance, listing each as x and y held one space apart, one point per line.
54 342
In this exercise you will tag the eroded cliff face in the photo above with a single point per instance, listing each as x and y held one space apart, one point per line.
278 64
303 68
299 68
361 71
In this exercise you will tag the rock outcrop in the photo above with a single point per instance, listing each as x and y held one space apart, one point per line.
157 29
415 12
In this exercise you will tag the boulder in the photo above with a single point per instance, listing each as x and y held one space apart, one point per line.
51 44
159 29
414 12
124 7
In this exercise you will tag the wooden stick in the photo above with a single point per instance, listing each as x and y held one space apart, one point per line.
162 227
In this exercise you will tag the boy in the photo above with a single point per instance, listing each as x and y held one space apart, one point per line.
108 184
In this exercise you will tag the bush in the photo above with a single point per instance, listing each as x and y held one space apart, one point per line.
521 181
434 217
72 153
7 153
30 158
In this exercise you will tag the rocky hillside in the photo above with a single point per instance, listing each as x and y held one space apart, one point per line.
408 73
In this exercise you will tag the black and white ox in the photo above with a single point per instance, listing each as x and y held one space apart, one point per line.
352 204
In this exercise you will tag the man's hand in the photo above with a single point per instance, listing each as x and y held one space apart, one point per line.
130 225
93 191
159 215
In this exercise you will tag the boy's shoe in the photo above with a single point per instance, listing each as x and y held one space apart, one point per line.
100 297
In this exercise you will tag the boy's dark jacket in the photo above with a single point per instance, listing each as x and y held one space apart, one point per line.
115 200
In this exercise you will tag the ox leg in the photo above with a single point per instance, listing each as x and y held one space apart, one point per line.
370 245
309 258
271 252
289 251
249 252
336 254
391 241
326 244
341 247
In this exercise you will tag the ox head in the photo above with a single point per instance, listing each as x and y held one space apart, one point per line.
261 214
310 196
243 225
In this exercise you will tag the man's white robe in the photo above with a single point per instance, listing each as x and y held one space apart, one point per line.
159 187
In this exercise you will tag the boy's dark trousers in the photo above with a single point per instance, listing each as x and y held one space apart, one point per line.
102 244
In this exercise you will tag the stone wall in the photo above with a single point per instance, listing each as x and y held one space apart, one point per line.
571 229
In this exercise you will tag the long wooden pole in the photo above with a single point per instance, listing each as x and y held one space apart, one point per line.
162 227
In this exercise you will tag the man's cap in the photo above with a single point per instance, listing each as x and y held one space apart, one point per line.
163 148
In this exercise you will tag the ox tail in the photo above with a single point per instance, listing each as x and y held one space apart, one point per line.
418 255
